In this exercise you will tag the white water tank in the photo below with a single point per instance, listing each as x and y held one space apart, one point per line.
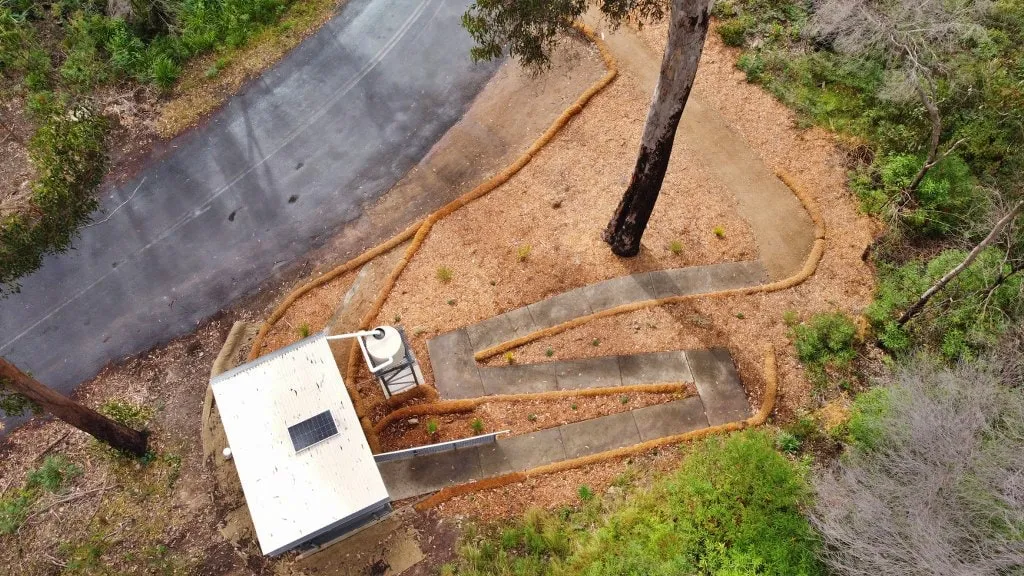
385 345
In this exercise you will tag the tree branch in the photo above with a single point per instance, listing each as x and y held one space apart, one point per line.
949 276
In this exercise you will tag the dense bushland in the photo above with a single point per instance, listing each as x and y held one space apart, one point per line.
929 100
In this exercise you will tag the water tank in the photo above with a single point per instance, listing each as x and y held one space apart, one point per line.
386 344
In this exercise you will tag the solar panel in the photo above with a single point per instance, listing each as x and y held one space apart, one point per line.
313 430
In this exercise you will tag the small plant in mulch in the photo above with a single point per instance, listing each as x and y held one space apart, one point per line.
719 232
445 274
549 352
624 399
510 358
477 425
398 318
432 427
523 252
675 247
532 417
790 318
575 406
788 442
451 301
595 342
741 315
585 493
303 330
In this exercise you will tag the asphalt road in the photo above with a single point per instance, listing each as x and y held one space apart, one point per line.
282 167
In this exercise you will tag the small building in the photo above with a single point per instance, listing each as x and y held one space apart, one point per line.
304 463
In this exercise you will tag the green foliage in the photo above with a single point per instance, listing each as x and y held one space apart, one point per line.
52 476
14 404
734 31
432 427
826 341
14 509
164 71
965 318
867 424
70 158
529 30
477 425
585 493
675 247
733 507
131 415
946 200
790 318
303 330
788 442
719 232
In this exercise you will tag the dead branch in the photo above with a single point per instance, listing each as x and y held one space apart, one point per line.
971 256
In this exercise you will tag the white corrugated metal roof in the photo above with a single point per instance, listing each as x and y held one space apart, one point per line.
292 495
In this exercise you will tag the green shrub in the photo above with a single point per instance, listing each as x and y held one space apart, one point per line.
477 425
826 341
961 320
132 415
867 426
585 493
946 200
14 509
733 507
164 72
788 442
54 474
734 31
752 65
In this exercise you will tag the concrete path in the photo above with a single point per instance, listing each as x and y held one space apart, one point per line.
782 228
720 395
457 374
720 399
289 161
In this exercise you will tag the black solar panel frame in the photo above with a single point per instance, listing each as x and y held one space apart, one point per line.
312 430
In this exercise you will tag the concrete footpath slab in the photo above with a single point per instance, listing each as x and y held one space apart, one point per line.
600 434
718 385
455 371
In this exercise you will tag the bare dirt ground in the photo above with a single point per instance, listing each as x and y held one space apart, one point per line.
145 519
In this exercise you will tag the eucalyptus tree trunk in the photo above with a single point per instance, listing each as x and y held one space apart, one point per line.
85 419
688 26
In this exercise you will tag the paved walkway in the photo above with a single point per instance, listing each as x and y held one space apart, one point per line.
720 399
457 375
720 395
784 234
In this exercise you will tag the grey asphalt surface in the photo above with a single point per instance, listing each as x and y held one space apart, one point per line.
278 170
